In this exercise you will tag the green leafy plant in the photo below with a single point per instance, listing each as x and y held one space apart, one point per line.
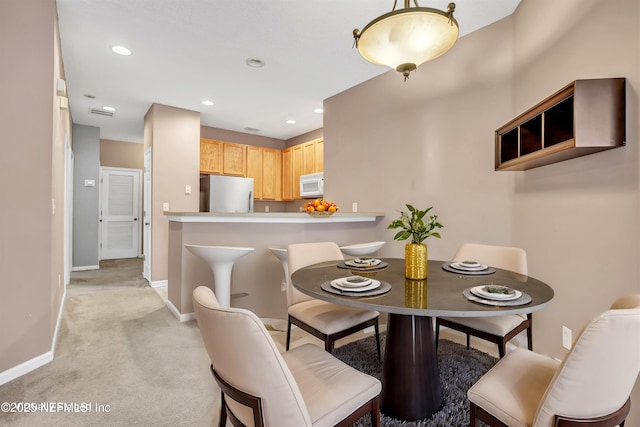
416 225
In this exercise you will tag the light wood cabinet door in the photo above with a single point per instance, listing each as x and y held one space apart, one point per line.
234 159
210 156
287 174
271 167
297 165
254 170
319 155
309 157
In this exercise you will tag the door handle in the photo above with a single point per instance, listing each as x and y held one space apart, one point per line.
135 219
147 223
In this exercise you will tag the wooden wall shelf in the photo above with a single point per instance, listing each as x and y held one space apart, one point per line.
582 118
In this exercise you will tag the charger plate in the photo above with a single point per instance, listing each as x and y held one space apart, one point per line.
447 267
382 289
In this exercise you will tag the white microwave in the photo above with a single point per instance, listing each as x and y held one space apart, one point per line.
311 185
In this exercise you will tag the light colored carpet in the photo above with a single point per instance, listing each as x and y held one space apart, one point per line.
119 347
124 360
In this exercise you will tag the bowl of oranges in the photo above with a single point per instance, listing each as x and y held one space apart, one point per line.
320 208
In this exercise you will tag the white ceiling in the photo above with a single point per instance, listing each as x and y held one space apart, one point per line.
186 51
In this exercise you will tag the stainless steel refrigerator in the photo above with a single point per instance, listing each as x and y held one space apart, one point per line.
226 194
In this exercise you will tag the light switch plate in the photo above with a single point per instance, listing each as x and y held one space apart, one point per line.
165 207
187 189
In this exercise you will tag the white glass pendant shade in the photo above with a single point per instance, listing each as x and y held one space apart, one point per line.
404 39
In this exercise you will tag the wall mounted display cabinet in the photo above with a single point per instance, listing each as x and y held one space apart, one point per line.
582 118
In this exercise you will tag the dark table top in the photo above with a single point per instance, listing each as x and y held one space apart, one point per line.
441 294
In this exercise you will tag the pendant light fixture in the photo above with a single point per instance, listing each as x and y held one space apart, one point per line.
405 38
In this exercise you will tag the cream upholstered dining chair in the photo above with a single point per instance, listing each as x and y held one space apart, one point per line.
590 387
324 320
260 387
497 329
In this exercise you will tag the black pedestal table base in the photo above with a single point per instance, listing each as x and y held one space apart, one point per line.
410 380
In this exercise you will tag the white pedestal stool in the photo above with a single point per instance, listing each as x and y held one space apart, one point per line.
362 249
220 260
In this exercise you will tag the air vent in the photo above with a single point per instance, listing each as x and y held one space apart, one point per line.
101 112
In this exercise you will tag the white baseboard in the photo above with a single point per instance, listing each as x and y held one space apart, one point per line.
85 267
25 367
181 317
159 283
38 361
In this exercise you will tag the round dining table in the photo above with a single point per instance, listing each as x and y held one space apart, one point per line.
411 388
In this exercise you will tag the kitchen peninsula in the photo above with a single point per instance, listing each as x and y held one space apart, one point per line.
258 274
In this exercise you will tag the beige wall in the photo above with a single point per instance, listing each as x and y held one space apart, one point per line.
429 141
121 154
579 220
305 137
240 138
174 137
33 130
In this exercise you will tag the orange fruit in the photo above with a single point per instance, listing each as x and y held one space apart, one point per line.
332 209
320 208
310 209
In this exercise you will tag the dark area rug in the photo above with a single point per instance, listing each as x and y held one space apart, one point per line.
459 370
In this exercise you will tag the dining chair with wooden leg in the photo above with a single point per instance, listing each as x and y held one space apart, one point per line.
260 387
591 387
324 320
497 329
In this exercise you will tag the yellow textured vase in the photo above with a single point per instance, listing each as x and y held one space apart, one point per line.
415 261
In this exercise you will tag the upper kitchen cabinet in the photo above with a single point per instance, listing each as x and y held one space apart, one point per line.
319 150
210 156
297 166
287 174
234 159
219 157
264 166
254 169
271 174
584 117
301 159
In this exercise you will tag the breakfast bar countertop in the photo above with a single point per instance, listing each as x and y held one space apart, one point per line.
272 217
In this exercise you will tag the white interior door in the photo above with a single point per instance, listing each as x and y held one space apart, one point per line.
120 213
146 216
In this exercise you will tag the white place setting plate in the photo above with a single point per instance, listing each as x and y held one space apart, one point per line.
338 284
363 262
496 292
468 266
354 281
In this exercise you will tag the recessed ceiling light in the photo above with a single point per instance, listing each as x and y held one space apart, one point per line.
255 63
250 129
121 50
88 95
318 110
291 122
107 108
207 102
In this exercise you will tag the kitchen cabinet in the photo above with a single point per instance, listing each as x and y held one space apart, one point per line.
287 174
254 169
584 117
297 165
234 159
271 174
264 166
319 149
313 154
309 157
210 156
